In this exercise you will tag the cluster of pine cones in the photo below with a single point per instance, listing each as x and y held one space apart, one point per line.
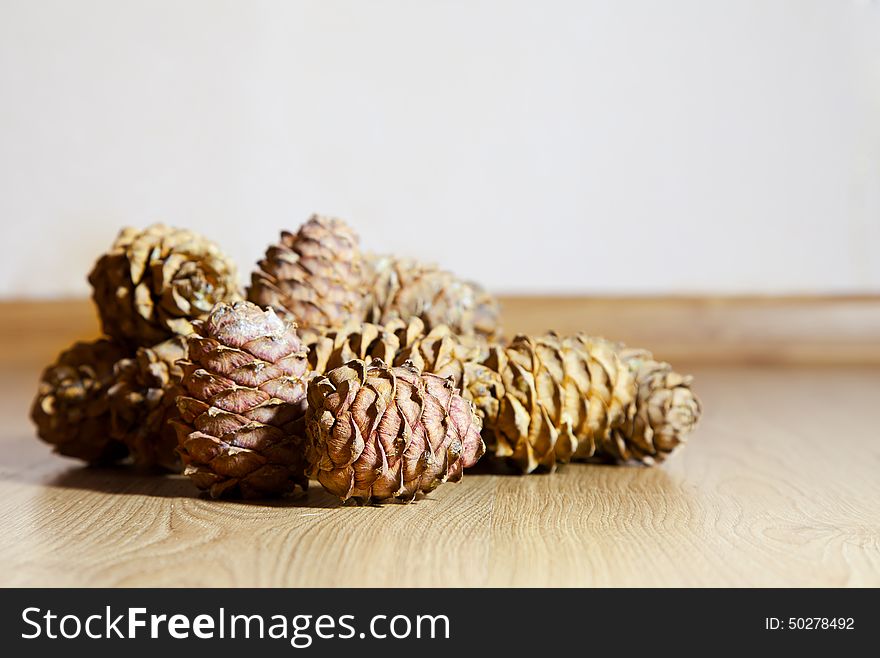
377 376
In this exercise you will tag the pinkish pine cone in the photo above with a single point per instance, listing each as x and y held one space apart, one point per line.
378 432
241 423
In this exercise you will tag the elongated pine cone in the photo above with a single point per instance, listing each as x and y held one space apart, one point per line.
314 276
561 397
379 432
665 412
154 282
71 409
143 402
404 288
241 421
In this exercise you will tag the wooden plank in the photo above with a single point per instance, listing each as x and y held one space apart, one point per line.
759 330
683 330
778 487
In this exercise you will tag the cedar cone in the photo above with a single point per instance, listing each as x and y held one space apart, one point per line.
142 402
241 419
666 411
71 409
403 288
314 276
378 432
561 397
154 282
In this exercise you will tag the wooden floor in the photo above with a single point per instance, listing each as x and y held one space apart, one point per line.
780 486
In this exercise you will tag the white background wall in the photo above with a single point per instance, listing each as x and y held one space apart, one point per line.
605 147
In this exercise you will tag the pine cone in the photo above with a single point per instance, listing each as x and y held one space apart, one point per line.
142 402
665 412
403 288
560 398
71 409
314 277
153 283
241 425
378 432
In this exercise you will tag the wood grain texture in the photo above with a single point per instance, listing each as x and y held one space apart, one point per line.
778 487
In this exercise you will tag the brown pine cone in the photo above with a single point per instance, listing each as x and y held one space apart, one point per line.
241 426
314 276
378 432
665 411
560 398
142 402
71 409
154 282
404 288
